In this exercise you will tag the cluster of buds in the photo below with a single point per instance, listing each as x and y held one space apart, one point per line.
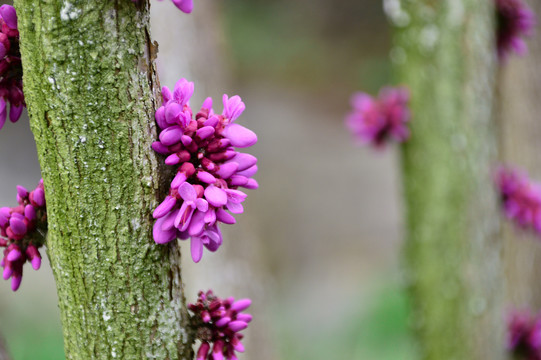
376 121
209 168
514 20
22 230
219 322
521 198
11 71
524 335
184 5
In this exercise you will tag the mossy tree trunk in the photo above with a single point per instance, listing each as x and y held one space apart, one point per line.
445 53
519 113
90 86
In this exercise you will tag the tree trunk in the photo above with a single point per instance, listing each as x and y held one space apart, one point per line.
520 133
90 86
445 54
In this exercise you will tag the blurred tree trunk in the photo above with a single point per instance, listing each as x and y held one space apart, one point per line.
445 54
90 86
520 117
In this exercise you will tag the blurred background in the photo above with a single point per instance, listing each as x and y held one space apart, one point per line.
318 245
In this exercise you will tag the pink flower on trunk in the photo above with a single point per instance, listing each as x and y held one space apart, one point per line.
218 323
21 233
210 169
378 120
514 21
521 197
524 335
11 71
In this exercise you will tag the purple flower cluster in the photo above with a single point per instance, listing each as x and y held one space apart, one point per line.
521 198
219 322
20 233
11 71
209 168
375 121
514 20
184 5
524 335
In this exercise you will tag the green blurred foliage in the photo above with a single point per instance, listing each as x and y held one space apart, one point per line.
331 47
377 330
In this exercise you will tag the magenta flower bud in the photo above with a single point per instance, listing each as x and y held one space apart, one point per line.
16 281
30 212
241 305
21 191
238 180
172 112
185 6
17 226
164 207
39 197
206 177
14 255
204 132
225 217
172 159
171 135
179 179
245 161
251 184
240 136
244 317
223 321
212 121
160 148
203 351
186 140
9 15
248 172
15 112
237 325
227 170
6 274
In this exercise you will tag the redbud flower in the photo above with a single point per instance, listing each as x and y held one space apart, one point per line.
11 71
22 230
376 121
204 191
521 198
524 335
514 20
218 323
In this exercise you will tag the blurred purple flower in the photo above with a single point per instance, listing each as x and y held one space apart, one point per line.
19 233
521 198
218 322
209 168
376 121
11 71
514 21
524 335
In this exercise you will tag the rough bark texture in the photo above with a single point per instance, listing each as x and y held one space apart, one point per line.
519 112
445 54
90 86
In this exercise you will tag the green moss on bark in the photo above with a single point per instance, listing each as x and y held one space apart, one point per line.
444 53
90 87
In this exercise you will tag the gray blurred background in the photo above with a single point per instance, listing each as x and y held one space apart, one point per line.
318 245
